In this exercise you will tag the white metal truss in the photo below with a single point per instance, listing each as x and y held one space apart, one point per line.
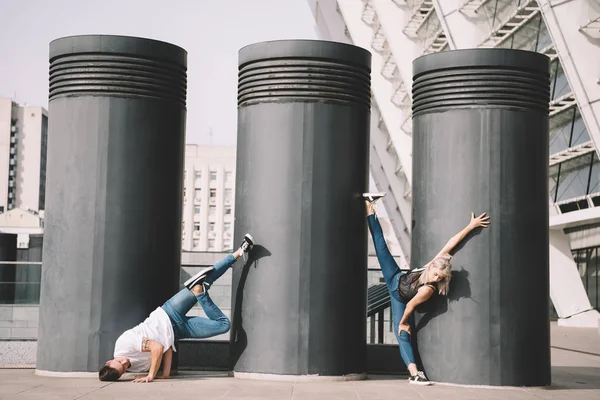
391 143
550 51
438 43
378 41
393 179
572 152
368 15
407 124
577 52
389 68
420 11
562 103
592 27
471 6
389 63
521 16
400 95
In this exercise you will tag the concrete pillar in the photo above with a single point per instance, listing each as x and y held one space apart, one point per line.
480 144
112 241
299 303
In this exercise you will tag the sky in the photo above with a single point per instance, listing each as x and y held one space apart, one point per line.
212 32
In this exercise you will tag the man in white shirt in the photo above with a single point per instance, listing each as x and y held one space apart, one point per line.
144 347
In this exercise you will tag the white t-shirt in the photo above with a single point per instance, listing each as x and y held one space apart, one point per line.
156 327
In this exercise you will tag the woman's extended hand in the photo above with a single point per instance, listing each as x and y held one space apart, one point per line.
404 327
482 221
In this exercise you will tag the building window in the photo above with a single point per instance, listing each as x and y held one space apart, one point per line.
196 243
198 177
211 244
211 226
588 266
213 193
227 195
227 245
227 227
212 211
196 226
227 210
198 194
228 176
196 210
213 175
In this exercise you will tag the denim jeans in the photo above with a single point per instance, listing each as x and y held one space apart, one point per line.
391 273
199 327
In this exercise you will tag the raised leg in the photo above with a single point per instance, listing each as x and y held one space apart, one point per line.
388 265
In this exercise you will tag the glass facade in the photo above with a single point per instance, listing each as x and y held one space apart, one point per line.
20 283
572 178
588 265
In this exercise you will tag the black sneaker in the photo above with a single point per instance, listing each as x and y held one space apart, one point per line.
198 278
247 243
419 379
373 197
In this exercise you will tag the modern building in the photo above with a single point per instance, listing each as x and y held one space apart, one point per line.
23 143
398 31
208 198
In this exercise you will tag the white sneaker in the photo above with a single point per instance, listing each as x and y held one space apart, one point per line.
246 246
419 379
247 243
198 278
373 197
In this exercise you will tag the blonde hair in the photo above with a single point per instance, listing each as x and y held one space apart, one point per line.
442 264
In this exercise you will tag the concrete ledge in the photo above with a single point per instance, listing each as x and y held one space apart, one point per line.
213 355
298 378
488 386
586 319
54 374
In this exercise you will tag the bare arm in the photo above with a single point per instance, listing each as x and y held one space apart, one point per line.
156 351
423 294
166 363
482 221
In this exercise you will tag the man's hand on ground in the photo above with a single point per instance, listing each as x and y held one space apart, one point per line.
143 379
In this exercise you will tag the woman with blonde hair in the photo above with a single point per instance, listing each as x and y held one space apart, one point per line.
408 290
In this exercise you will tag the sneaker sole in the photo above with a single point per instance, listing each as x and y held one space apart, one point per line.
377 195
247 235
198 276
421 383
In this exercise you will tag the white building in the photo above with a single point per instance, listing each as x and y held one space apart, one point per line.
208 198
398 31
23 143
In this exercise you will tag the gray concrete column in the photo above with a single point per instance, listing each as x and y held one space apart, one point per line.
299 303
480 144
112 241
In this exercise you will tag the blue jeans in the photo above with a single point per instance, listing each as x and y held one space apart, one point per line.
199 327
391 273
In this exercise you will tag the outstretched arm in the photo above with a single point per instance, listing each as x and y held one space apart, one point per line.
156 350
482 221
166 363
